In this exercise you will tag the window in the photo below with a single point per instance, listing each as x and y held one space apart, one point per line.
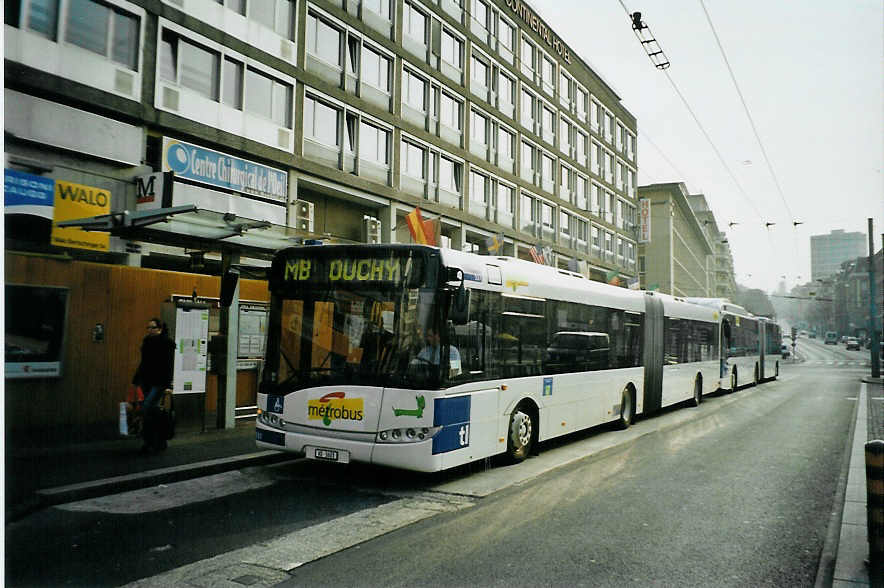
323 40
548 124
564 88
413 160
527 110
609 243
528 214
565 224
480 71
596 159
478 192
375 69
233 78
609 167
277 15
268 97
596 239
528 162
595 115
548 169
414 90
506 88
582 230
581 190
527 57
565 182
548 75
630 146
480 13
189 65
582 103
506 199
564 136
598 201
506 142
582 147
450 111
452 49
478 128
609 127
449 174
374 143
380 7
547 218
109 32
414 23
506 35
621 176
321 122
620 137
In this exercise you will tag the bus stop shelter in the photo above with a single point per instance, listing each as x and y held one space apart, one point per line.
188 226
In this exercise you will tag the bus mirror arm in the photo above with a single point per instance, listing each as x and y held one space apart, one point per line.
459 313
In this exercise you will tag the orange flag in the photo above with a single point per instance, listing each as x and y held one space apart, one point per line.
422 231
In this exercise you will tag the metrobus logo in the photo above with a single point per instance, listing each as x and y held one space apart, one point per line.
334 406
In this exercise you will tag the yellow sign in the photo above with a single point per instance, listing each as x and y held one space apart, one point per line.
74 201
335 406
346 270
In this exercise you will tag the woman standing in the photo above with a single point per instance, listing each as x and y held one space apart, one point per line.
154 376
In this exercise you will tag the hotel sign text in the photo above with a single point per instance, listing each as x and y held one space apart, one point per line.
541 29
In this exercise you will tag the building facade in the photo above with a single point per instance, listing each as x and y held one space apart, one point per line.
721 273
330 119
828 252
473 110
678 259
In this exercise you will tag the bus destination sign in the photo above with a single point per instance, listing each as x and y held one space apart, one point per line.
343 269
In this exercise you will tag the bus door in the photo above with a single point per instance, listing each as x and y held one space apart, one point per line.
653 354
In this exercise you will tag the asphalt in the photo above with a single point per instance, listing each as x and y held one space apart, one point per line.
40 476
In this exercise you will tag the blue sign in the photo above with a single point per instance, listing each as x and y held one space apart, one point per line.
28 194
547 387
454 416
275 403
225 171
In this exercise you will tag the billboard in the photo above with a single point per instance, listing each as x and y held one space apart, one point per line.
35 330
75 201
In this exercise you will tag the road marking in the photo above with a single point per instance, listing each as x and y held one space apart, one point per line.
269 563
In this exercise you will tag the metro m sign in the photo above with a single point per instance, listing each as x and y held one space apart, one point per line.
153 191
644 220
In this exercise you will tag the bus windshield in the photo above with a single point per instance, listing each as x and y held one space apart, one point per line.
331 328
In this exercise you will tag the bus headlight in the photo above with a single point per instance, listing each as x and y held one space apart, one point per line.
410 435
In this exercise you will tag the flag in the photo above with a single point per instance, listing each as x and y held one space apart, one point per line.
613 278
494 243
633 284
422 231
547 255
536 256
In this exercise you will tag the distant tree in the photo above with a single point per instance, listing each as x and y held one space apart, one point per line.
755 301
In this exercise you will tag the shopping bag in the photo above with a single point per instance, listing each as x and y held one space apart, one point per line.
134 411
124 419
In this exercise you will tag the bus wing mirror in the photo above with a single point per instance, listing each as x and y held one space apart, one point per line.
459 313
229 280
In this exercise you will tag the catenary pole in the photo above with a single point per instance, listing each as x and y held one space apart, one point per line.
873 311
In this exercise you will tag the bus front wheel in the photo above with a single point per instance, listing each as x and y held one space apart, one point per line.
521 434
698 392
734 380
627 409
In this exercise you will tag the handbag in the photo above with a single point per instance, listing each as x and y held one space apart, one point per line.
134 411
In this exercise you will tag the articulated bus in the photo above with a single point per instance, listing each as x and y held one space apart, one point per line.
425 359
750 345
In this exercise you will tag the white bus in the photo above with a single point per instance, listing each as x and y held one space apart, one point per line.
425 359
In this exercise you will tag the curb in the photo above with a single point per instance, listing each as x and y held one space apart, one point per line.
96 488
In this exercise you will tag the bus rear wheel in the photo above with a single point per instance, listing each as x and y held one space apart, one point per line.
627 409
521 434
757 374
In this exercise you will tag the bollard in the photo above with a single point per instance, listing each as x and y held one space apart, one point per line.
875 501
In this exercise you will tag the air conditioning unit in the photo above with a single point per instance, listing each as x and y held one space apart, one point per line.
304 215
371 230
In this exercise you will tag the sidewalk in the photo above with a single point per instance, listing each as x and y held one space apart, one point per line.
850 567
54 474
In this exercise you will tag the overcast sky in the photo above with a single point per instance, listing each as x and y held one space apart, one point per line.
811 75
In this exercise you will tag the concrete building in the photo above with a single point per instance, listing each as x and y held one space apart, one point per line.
721 278
224 130
348 114
678 259
828 252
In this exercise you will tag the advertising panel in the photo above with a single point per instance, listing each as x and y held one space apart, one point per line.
75 201
35 329
219 169
26 193
644 219
191 350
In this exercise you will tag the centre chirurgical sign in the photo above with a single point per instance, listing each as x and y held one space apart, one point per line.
225 171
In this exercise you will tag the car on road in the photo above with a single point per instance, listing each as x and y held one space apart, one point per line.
852 343
812 335
831 338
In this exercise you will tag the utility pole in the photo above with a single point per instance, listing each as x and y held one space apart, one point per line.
873 310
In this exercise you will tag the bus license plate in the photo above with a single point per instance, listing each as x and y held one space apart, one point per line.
337 455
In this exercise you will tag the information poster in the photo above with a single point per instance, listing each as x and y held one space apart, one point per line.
191 350
252 331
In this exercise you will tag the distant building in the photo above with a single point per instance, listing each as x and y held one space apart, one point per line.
721 271
828 252
678 258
